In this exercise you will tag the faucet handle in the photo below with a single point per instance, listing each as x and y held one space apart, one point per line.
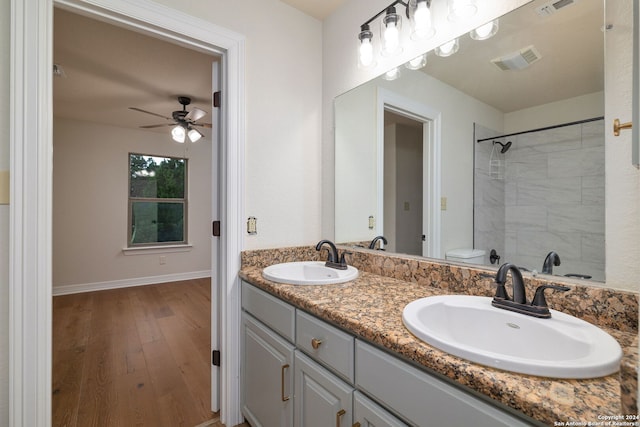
539 299
343 261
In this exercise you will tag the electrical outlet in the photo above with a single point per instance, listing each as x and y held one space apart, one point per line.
252 225
407 206
372 222
443 203
163 260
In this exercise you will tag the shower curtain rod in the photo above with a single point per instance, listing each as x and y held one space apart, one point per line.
541 129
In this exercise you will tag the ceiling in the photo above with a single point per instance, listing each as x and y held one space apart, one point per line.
109 69
570 42
319 9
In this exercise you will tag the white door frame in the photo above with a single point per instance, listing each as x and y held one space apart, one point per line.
431 120
30 227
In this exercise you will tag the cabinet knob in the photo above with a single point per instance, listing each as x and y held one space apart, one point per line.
315 343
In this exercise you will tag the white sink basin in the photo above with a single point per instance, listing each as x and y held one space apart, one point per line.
308 273
471 328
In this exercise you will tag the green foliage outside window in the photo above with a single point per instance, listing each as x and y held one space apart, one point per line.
157 203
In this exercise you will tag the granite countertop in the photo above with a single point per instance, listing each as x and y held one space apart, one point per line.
371 307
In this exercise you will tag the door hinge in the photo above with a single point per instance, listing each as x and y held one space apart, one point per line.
216 99
215 357
215 229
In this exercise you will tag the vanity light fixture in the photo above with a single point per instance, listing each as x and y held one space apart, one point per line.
448 48
417 62
418 12
485 31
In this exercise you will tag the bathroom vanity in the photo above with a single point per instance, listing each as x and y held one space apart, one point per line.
340 354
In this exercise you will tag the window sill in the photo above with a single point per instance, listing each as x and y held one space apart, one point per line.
149 250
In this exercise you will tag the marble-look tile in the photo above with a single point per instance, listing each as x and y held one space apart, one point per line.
576 163
592 248
576 219
593 190
549 192
521 218
540 243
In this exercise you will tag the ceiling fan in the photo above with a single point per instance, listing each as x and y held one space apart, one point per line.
183 121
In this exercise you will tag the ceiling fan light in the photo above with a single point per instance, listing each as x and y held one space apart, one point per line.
178 133
194 135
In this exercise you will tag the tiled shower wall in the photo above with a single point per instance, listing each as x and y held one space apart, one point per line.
550 197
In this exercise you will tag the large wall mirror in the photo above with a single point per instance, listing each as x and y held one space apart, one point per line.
497 147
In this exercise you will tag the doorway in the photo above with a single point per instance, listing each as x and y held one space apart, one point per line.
31 165
404 221
414 193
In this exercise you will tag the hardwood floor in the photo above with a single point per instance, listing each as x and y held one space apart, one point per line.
133 357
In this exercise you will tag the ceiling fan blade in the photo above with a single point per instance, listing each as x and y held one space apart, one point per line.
195 114
156 126
204 125
149 112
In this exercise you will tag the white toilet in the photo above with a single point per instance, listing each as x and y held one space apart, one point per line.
467 256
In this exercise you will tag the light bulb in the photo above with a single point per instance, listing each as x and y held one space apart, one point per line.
485 31
422 27
365 49
417 62
178 133
194 135
391 32
448 48
392 74
462 9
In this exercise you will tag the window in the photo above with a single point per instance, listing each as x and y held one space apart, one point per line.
157 200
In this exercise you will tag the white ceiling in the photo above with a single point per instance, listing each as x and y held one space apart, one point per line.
109 69
319 9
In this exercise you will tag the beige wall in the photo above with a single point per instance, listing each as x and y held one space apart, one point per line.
283 112
90 184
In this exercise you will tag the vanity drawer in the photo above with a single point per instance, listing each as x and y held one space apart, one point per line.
421 398
271 311
326 344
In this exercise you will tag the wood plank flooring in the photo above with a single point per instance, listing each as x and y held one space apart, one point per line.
133 357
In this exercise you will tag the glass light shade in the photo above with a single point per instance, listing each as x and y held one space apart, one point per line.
392 74
422 24
390 32
194 135
462 9
448 49
365 49
417 62
178 133
485 31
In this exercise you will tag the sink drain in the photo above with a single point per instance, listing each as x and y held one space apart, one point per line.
513 325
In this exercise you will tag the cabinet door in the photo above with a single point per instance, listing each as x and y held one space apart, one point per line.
367 413
321 399
267 376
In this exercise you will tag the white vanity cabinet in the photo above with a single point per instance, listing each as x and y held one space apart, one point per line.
298 370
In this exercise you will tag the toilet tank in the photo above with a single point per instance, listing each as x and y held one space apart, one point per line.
468 256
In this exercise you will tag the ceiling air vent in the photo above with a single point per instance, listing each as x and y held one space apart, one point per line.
518 60
553 6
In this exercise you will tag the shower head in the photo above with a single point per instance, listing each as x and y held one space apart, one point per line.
505 147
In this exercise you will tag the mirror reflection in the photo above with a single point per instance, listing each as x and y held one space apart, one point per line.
495 151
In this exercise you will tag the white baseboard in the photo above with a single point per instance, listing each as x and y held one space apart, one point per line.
127 283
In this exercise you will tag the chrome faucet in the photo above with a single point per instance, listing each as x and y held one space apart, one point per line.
551 260
333 259
538 306
372 245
